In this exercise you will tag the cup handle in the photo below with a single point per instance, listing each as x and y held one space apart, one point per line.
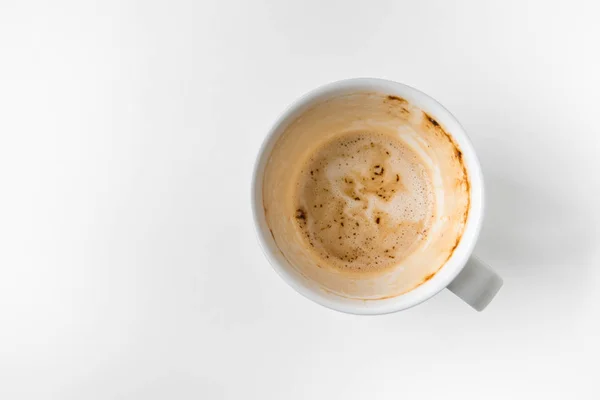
476 284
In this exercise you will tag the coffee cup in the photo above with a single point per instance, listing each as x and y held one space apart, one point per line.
368 199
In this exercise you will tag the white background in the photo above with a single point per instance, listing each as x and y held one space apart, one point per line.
129 268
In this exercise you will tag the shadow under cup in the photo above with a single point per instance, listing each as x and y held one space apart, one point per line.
381 107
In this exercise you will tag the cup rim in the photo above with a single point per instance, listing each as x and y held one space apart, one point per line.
451 267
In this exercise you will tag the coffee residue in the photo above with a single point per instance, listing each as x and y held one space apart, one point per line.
355 178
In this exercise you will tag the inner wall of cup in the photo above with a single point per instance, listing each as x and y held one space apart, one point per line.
376 112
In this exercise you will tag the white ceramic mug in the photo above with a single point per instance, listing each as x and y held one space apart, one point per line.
463 274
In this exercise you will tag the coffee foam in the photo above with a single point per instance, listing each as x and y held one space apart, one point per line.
364 200
428 162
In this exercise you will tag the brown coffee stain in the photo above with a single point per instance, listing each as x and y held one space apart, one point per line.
430 123
300 214
458 155
431 120
397 106
396 98
428 277
455 246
